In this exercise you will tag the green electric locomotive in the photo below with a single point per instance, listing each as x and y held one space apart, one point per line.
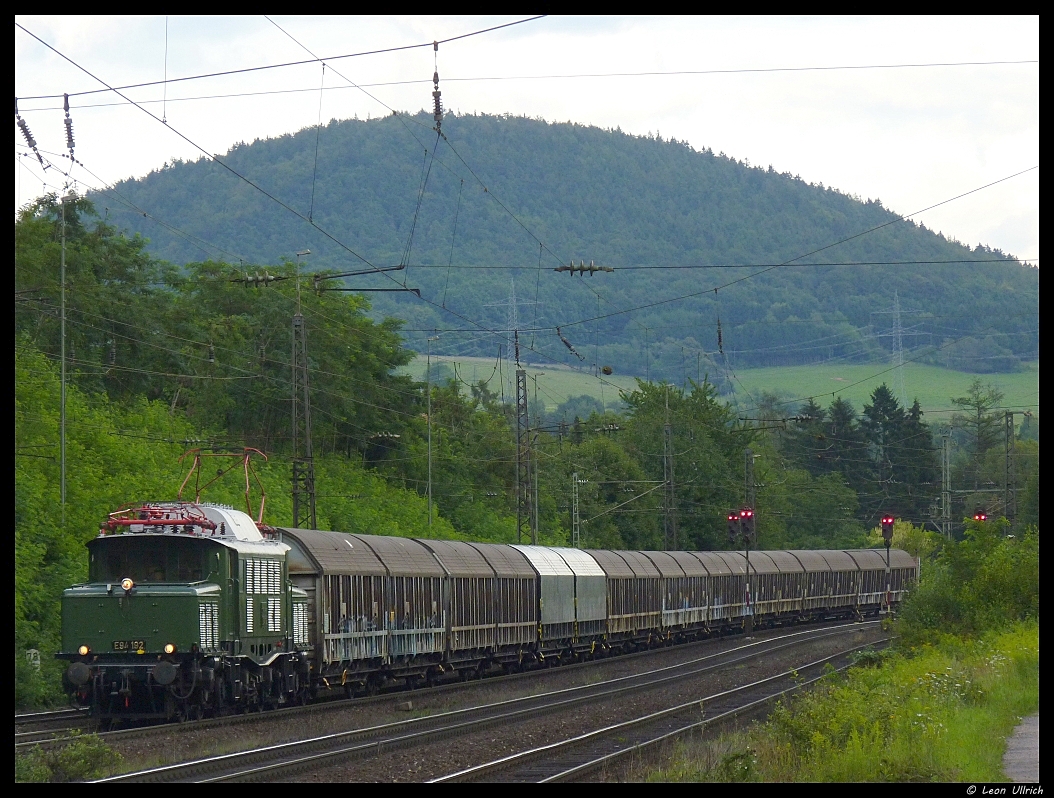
188 610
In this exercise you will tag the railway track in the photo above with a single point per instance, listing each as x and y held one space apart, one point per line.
34 727
276 761
583 755
57 737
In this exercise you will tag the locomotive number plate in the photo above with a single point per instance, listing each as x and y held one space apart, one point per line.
128 645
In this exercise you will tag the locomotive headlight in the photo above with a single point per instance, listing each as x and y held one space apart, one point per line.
83 651
127 583
170 648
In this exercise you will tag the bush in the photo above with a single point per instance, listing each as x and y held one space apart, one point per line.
86 757
38 689
986 582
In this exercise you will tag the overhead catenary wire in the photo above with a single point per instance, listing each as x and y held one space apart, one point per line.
492 78
216 159
482 327
287 63
715 289
107 188
664 266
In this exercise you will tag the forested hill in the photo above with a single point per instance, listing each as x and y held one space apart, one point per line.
603 196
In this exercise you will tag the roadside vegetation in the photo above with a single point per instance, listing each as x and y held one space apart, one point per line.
935 707
85 757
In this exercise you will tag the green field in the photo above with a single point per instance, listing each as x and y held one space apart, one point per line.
555 383
933 386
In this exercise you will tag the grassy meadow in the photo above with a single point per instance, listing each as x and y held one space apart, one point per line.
556 384
932 385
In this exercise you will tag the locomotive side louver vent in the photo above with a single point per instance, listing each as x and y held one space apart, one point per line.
249 615
274 614
263 577
209 626
300 623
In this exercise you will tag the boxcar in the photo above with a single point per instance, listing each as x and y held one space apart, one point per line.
556 594
842 588
684 589
591 604
634 602
815 581
515 599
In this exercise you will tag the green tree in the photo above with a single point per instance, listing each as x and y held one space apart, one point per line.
903 457
708 445
979 427
116 305
845 447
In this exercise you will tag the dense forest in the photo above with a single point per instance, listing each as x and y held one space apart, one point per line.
163 359
506 199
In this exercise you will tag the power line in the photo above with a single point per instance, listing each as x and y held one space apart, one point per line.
480 326
203 151
248 375
492 78
108 188
276 66
659 266
715 289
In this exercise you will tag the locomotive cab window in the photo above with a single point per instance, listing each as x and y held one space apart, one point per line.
148 559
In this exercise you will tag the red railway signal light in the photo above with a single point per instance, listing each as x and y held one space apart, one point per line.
746 520
887 529
733 528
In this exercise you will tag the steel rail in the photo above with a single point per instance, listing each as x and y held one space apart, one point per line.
37 726
337 704
285 758
527 759
593 765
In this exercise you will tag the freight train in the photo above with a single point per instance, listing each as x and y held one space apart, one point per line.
193 608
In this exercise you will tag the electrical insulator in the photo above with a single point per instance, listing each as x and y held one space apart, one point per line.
69 124
212 354
437 108
887 529
32 142
257 279
720 342
111 357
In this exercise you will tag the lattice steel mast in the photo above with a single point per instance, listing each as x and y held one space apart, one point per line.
303 460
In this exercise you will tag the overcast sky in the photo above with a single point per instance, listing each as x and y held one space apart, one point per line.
909 136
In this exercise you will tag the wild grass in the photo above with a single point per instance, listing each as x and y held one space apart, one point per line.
940 713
